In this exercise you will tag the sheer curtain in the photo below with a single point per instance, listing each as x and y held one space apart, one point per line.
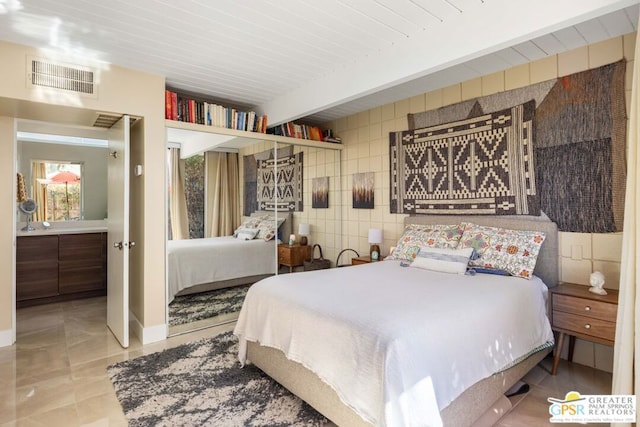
39 190
177 198
626 378
222 202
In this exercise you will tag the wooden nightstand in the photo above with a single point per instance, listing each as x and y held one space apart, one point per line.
293 256
363 260
579 313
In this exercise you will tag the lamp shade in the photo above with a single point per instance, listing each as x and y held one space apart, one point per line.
304 229
375 235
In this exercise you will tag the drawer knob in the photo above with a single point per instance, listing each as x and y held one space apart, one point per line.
587 326
587 308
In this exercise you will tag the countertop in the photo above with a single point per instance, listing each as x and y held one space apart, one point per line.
63 227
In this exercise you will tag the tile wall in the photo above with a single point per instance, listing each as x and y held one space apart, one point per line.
365 136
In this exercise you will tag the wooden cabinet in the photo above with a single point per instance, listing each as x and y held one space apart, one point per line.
293 256
579 313
60 267
36 267
363 260
82 262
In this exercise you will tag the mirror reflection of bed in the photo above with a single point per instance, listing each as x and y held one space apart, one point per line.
210 269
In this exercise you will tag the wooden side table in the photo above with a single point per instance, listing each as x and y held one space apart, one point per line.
363 260
293 256
579 313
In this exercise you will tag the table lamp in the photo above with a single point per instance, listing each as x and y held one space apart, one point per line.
375 238
303 230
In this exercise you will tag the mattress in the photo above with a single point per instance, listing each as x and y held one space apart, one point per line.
196 261
397 344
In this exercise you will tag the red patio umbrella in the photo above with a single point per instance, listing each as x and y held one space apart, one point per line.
65 177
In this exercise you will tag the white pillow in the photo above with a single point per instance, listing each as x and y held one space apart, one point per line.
443 260
247 233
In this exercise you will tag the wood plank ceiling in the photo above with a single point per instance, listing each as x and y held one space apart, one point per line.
314 60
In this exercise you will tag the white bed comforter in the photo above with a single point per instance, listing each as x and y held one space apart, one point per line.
196 261
397 344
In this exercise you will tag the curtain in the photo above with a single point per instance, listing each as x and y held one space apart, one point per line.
39 190
177 198
626 378
222 202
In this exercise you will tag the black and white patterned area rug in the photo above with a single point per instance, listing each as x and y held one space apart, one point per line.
202 384
191 308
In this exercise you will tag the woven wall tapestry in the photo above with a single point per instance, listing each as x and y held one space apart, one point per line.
579 144
480 165
250 171
286 180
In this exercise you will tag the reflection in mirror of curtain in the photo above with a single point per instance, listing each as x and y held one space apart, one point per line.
39 190
178 217
222 206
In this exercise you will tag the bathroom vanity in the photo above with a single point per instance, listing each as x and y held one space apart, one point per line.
60 264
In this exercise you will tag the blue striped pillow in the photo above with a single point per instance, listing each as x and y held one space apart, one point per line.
443 260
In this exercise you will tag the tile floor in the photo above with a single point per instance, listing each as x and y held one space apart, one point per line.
55 374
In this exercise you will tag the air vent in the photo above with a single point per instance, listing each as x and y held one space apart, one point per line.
43 73
106 120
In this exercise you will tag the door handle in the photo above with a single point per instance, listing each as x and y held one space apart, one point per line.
130 244
118 245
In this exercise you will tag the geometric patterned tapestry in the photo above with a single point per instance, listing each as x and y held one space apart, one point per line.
250 167
281 187
579 143
480 165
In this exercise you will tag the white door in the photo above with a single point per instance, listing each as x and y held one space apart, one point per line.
118 244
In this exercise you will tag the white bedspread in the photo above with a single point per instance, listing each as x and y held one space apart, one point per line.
397 344
196 261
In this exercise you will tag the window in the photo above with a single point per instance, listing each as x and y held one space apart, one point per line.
60 184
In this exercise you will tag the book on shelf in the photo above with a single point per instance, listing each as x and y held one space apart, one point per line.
301 131
187 109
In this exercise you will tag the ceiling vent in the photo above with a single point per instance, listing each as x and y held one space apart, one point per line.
45 73
106 120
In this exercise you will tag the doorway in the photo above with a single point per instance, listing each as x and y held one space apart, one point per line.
82 242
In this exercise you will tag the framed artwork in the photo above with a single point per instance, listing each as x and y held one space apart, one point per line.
363 190
320 192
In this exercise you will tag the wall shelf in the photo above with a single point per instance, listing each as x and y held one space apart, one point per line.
199 138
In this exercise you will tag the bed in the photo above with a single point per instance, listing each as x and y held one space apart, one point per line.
358 351
200 265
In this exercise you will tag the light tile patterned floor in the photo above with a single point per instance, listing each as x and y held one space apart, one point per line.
55 375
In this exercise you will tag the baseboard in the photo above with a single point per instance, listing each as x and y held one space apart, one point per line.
6 338
149 334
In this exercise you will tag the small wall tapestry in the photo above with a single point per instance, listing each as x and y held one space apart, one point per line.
250 170
480 165
285 182
320 192
579 142
362 192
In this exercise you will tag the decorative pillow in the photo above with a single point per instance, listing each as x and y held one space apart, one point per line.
267 228
443 260
514 251
250 222
247 233
418 236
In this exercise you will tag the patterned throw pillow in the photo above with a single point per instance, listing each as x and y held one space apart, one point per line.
515 251
267 228
443 260
248 223
416 236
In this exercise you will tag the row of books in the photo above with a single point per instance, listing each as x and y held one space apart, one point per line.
185 109
295 130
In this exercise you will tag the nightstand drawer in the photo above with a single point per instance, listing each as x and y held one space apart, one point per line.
584 307
284 255
584 325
